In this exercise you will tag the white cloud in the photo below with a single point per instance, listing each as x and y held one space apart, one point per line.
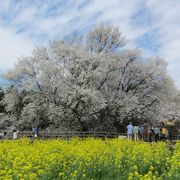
51 19
12 46
166 16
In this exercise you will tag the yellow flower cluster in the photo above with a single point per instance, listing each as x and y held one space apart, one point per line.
88 159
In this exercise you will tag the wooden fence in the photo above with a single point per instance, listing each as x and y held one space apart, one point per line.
67 135
46 135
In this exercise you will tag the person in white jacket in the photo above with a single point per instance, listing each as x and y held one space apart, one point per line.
15 134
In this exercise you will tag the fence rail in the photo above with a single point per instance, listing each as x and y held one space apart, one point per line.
44 134
66 135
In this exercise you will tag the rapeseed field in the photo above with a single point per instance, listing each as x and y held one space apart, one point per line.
89 159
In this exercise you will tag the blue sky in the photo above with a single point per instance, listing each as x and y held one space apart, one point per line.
151 25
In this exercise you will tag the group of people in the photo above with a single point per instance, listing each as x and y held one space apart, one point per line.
143 132
146 132
34 129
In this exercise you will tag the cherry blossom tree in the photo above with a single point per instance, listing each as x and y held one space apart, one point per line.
91 85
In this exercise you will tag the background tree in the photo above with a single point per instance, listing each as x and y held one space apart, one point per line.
1 98
91 85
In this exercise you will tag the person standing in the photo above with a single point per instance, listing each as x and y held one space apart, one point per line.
15 134
35 130
167 135
130 131
146 125
150 134
1 135
142 131
157 133
136 133
163 133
